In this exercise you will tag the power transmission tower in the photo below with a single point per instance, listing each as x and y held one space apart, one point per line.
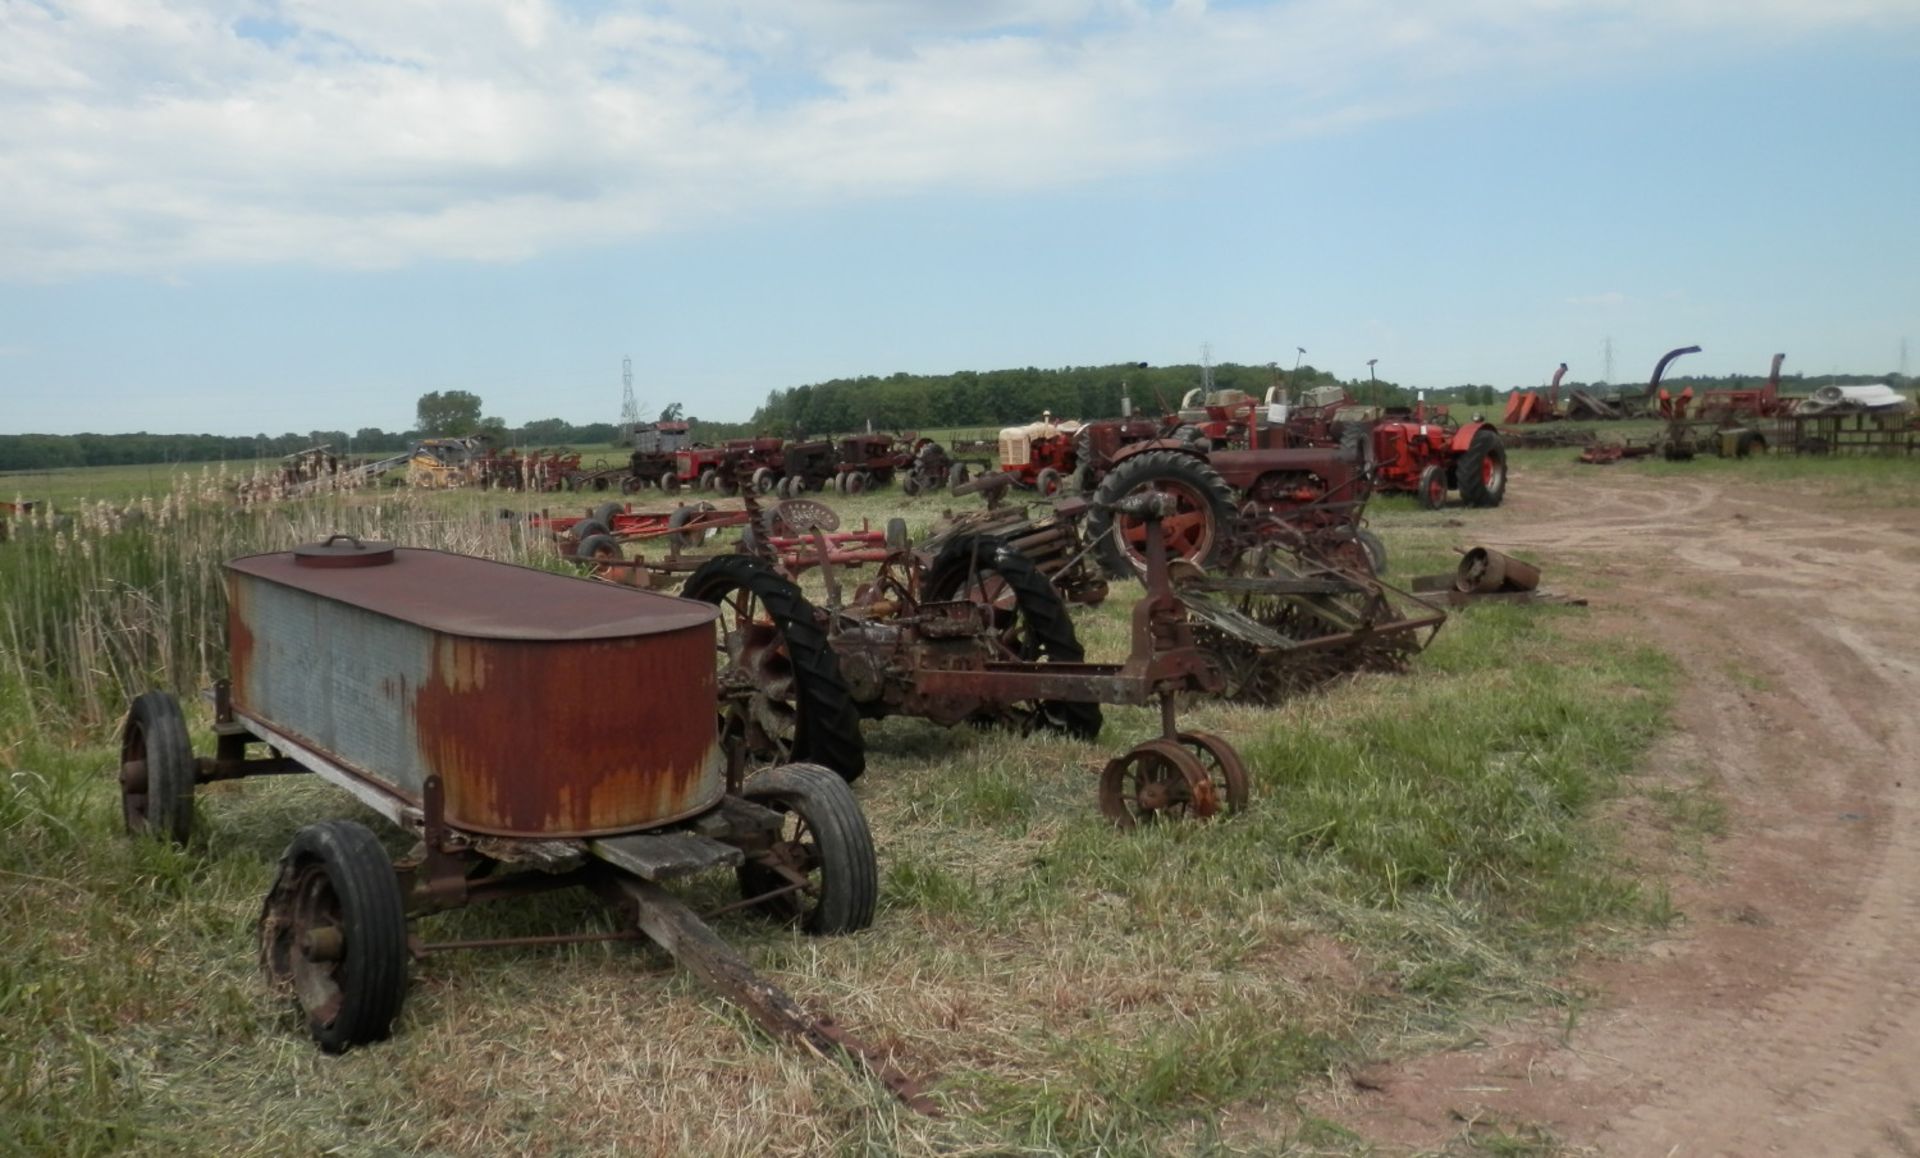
1606 360
1206 368
629 405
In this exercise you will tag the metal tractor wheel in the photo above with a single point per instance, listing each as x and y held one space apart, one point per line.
1482 469
783 698
333 933
1198 530
157 769
1155 780
1047 482
820 872
1431 490
1028 614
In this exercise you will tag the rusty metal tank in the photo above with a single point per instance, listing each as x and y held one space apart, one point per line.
550 707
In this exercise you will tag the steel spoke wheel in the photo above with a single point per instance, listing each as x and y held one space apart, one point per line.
157 769
333 934
1154 780
819 872
1223 766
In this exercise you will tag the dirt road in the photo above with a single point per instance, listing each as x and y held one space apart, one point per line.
1782 1016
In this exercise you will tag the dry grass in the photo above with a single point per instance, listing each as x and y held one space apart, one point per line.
1419 852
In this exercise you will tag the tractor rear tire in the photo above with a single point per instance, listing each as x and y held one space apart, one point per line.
826 726
1482 469
1045 629
1200 490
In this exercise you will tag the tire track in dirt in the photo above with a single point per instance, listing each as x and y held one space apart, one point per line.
1783 1018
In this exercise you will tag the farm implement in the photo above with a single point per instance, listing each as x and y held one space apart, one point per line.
406 677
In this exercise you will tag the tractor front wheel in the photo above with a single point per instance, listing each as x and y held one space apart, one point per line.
1431 490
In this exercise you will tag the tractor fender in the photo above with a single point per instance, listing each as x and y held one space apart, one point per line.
1132 449
1463 437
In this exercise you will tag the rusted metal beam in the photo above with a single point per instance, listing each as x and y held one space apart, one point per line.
679 931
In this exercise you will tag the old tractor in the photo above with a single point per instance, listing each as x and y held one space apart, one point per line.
975 635
868 461
1039 455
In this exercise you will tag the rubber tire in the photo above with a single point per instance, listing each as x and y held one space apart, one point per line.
1376 550
910 486
162 734
374 919
855 483
584 551
1486 446
1050 634
709 479
631 484
1429 496
670 483
828 729
1047 483
1154 466
957 476
763 480
586 529
897 537
606 511
849 871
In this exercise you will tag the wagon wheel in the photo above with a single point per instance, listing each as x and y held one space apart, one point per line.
1223 765
1198 530
820 872
683 515
156 769
783 698
1028 616
333 933
1155 779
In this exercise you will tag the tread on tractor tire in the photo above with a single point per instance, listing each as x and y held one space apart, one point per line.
1482 469
1046 629
826 722
1201 489
337 881
822 807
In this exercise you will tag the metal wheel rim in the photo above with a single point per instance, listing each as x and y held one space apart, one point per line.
135 795
306 948
768 722
1188 532
1153 780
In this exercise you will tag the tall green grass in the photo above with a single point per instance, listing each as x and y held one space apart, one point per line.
101 601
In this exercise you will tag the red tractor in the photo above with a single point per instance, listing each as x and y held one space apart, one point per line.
1040 454
1429 458
1421 452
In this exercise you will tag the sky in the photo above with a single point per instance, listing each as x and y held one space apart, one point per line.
242 216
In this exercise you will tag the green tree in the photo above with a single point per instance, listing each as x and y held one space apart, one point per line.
672 412
448 414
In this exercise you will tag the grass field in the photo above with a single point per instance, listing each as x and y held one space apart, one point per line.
1423 851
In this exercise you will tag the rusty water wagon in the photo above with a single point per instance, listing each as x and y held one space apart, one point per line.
534 732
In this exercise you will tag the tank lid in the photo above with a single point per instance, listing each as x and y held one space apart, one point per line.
343 551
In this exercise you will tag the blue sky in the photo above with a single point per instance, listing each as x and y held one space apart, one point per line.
240 216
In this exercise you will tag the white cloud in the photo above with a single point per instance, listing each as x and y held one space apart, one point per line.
159 135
